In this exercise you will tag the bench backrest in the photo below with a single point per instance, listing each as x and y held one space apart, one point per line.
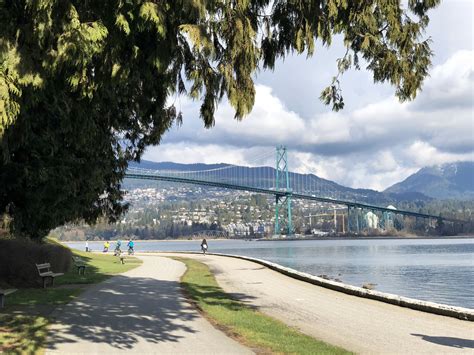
42 268
77 260
7 291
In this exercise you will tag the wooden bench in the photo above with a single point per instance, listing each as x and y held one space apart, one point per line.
4 293
79 264
45 272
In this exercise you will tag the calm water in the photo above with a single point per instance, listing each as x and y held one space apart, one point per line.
438 270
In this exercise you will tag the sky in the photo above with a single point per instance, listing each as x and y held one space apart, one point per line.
374 142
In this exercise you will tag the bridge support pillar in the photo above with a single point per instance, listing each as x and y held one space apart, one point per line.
283 219
357 221
349 219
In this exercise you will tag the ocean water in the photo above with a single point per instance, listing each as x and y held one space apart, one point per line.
437 270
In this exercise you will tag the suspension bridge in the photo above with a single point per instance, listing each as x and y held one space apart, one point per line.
284 185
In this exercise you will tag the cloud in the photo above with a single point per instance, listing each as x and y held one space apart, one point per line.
191 152
423 154
442 116
270 122
450 85
375 145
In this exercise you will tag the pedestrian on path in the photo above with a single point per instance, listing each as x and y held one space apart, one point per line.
204 246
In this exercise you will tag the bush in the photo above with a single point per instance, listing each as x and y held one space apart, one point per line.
18 259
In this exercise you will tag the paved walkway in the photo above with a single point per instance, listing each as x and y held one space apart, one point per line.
141 311
357 324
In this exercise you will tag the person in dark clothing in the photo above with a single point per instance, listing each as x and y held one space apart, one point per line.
204 246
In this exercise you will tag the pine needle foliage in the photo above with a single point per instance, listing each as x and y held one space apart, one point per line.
84 85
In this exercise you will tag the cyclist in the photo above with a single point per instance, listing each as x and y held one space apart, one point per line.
131 245
118 251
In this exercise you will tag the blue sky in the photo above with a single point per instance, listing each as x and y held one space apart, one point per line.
374 142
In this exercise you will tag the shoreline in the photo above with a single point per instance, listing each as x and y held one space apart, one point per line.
462 313
454 299
284 239
378 237
362 325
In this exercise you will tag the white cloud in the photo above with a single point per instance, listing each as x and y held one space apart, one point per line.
270 121
450 84
192 152
372 146
423 154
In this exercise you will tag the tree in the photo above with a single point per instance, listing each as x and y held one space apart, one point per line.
84 85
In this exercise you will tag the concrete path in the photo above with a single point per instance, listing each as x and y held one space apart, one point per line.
354 323
141 311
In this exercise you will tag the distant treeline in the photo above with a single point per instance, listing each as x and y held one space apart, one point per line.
112 232
151 223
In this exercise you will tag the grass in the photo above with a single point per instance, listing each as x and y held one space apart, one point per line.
247 325
35 296
20 334
99 267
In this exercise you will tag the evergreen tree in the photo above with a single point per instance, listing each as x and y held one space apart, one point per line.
84 84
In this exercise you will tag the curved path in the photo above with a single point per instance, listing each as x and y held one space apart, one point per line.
140 311
357 324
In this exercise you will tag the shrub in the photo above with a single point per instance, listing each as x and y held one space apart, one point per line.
18 259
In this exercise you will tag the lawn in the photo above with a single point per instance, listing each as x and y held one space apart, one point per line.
26 333
22 334
240 321
98 268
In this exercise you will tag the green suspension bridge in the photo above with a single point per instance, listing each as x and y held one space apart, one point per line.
282 184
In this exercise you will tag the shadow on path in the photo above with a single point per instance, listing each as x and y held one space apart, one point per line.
123 310
459 343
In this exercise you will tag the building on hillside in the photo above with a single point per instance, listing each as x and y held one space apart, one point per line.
371 220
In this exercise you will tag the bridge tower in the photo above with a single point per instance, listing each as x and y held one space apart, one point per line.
282 201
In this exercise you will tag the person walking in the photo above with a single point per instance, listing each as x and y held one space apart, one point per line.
87 246
204 246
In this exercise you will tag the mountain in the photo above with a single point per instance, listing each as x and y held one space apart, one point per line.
446 181
311 183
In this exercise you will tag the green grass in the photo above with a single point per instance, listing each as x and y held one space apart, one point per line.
99 267
20 334
246 324
35 296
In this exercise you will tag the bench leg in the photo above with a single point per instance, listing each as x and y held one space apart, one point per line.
44 281
52 281
2 300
